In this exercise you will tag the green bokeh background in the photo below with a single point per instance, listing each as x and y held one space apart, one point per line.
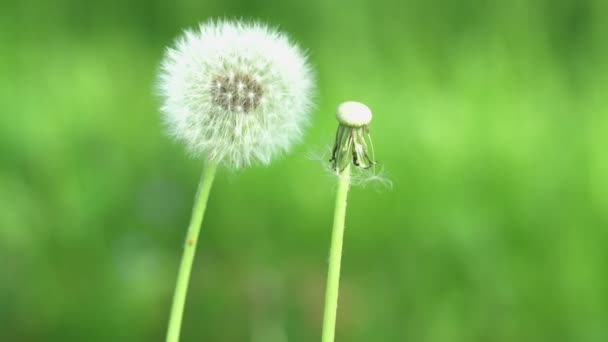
491 120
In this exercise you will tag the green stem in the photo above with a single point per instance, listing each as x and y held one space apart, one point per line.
183 275
335 255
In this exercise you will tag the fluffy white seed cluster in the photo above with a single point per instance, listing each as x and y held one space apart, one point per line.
237 93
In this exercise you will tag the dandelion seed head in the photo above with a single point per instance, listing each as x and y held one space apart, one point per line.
235 92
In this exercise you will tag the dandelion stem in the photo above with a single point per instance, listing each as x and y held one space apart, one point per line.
183 275
335 255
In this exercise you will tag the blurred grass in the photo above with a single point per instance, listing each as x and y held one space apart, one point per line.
490 117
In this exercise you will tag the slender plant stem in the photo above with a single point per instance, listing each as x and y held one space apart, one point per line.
335 256
183 275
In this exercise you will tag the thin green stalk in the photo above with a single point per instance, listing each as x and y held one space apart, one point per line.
183 275
335 256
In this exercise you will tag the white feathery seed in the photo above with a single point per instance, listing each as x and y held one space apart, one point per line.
235 92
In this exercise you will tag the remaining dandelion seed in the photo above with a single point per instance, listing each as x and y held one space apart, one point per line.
229 75
235 93
353 131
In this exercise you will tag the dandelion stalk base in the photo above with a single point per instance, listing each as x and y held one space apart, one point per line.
183 275
335 256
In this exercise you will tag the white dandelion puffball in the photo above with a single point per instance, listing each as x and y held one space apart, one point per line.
237 93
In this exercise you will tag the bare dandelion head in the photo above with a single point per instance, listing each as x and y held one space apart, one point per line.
237 93
354 114
353 141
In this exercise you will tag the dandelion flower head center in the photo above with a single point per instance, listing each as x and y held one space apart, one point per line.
237 91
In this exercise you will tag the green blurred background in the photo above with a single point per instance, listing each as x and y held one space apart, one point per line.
491 119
